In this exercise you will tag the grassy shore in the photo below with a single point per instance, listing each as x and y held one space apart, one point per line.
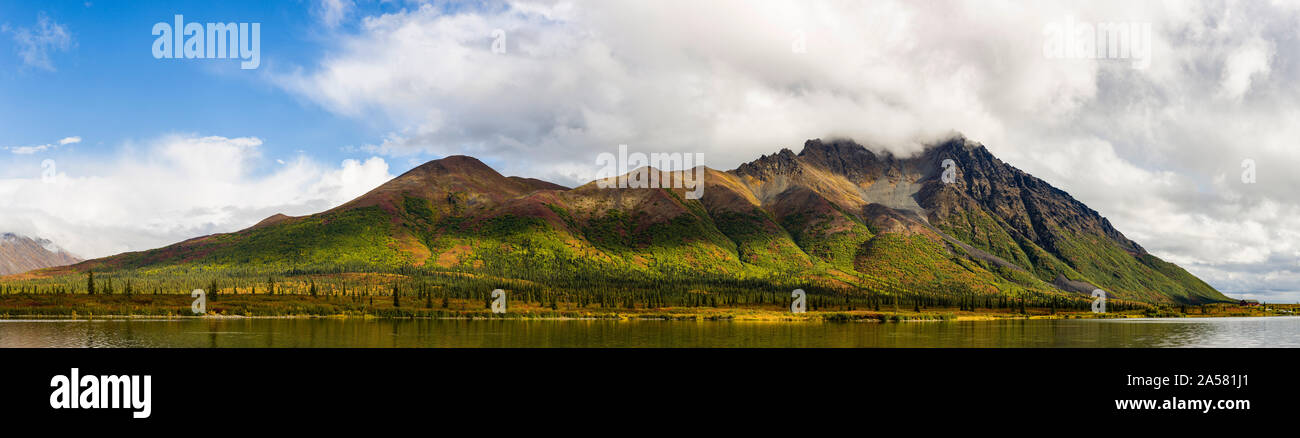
18 306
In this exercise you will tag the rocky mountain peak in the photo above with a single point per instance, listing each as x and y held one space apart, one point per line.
845 157
784 162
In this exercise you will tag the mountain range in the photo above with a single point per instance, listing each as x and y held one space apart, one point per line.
21 254
835 213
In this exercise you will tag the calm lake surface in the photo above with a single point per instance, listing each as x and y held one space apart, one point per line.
1181 332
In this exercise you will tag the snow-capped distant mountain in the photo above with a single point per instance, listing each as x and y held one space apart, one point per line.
21 254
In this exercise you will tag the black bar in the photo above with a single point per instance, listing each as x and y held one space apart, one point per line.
324 387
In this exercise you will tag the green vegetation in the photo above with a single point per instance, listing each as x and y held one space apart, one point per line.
451 294
359 239
761 242
1121 273
815 236
338 263
1083 257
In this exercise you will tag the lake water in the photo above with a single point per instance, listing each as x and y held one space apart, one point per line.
1182 332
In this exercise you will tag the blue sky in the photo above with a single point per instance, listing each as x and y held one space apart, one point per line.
108 89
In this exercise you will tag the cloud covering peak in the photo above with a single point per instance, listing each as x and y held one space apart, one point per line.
1158 149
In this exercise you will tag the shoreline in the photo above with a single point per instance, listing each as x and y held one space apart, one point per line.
176 306
819 318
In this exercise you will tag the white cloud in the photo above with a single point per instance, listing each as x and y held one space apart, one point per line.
1157 150
173 189
1243 66
333 12
716 77
29 150
35 43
